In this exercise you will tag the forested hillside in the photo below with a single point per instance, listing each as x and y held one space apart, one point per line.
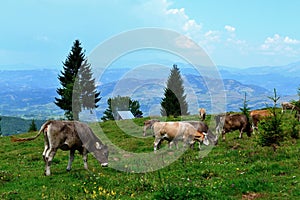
15 125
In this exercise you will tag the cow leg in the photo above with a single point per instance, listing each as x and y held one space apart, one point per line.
170 144
192 143
176 144
71 158
85 157
157 143
46 146
223 135
199 143
188 141
241 133
49 159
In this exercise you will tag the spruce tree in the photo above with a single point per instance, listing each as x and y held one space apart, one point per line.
245 109
108 113
78 90
89 96
174 101
32 126
270 129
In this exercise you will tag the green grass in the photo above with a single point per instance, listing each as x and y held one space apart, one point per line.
234 169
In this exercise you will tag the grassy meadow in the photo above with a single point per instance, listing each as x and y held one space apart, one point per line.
234 169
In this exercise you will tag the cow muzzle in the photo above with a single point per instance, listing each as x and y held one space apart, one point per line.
104 164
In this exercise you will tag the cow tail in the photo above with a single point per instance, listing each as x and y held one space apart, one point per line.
14 139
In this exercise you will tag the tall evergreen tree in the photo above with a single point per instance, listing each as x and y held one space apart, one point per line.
32 126
119 103
245 109
78 90
174 101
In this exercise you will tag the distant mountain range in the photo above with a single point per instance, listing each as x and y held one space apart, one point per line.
286 79
30 93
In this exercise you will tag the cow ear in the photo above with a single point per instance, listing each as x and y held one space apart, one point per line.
98 146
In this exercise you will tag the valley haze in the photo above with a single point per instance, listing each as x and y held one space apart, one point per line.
29 93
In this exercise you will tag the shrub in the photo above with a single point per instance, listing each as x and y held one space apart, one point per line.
270 129
293 127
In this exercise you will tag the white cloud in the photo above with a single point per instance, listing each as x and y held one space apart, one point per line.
229 28
160 13
177 12
182 20
212 36
191 25
288 40
278 45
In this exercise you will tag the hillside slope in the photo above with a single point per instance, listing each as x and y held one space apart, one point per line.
235 169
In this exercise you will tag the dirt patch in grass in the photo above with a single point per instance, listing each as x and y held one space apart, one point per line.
251 196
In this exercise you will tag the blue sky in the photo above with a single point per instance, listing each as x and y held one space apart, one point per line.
40 33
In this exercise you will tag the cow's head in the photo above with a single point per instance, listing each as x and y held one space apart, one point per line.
249 131
148 124
202 137
101 154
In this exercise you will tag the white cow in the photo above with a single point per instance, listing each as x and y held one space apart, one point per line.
176 131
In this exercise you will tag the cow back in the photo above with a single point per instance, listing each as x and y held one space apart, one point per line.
235 122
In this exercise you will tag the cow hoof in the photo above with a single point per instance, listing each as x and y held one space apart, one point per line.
46 173
68 170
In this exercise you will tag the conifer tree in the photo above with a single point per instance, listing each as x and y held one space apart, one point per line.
78 90
32 126
270 129
245 109
174 101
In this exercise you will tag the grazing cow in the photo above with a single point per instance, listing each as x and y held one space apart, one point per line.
198 125
202 114
258 115
234 122
202 127
148 125
69 135
176 131
287 106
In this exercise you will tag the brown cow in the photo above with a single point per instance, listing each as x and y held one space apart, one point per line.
258 115
287 106
176 131
234 122
202 114
69 135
